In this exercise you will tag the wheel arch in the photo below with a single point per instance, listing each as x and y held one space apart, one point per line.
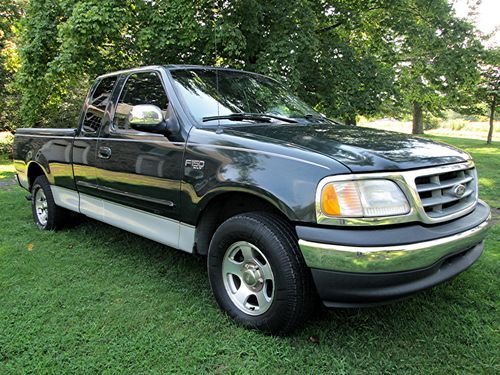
33 171
219 207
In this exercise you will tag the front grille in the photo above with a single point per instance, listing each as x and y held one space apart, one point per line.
446 193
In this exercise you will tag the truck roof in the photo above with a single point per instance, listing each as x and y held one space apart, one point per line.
168 67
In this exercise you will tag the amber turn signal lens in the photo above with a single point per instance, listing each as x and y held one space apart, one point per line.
330 202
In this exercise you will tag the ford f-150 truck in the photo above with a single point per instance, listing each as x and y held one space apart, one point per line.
289 207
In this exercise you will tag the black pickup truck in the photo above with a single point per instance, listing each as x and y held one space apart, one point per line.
288 206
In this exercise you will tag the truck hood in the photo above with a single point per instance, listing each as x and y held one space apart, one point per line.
360 149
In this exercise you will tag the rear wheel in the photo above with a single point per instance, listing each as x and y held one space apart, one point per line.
47 215
257 273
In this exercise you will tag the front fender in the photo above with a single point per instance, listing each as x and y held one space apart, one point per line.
257 192
286 177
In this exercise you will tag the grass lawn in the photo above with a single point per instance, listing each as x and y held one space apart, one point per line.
458 128
95 299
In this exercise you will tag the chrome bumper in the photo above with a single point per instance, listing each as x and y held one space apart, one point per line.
390 258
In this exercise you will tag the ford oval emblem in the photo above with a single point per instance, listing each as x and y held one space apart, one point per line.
459 190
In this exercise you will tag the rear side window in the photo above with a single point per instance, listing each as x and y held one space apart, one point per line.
140 88
97 105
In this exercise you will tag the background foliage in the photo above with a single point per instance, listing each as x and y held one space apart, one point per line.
347 58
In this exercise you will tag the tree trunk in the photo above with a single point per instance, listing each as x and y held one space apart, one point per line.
418 119
351 120
492 117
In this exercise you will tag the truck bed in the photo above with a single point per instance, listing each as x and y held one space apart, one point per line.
55 132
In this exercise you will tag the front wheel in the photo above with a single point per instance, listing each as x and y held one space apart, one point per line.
257 273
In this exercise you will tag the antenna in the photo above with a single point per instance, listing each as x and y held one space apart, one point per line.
216 70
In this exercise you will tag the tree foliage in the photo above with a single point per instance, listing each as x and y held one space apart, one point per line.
438 57
10 15
345 57
488 89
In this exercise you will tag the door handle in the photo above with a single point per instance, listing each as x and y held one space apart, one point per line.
104 152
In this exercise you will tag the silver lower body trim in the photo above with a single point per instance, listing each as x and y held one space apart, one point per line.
66 198
169 232
390 258
22 179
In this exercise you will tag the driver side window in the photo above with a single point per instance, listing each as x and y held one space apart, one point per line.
140 88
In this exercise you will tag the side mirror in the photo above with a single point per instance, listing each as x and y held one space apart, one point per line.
147 118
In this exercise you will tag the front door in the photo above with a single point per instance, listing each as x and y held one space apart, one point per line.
138 173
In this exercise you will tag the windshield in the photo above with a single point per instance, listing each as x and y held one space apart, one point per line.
238 92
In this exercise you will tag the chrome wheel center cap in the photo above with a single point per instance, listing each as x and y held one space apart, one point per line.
249 278
252 276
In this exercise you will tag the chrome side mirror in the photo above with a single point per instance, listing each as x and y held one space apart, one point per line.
147 118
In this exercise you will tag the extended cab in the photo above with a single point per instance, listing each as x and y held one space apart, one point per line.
287 205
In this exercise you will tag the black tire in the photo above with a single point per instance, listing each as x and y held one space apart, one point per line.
293 292
56 216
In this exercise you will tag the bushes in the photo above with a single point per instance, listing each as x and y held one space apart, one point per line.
6 141
432 123
457 124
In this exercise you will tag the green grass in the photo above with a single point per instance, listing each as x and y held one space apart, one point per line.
95 299
6 169
456 128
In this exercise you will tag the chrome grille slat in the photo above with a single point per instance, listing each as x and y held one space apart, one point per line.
448 211
447 193
443 199
433 186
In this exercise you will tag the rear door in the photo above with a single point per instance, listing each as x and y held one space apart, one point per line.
95 113
136 169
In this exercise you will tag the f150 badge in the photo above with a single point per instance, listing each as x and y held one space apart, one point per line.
195 164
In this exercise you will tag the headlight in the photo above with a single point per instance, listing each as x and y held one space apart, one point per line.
363 198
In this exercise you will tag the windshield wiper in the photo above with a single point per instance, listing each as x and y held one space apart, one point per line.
320 118
264 117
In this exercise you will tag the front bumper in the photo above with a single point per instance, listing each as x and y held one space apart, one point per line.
342 289
401 261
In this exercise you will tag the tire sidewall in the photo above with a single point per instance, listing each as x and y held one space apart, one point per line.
42 183
234 231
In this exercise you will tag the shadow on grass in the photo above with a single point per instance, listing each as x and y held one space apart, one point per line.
165 265
154 258
105 297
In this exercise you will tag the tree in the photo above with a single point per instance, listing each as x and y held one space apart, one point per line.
38 47
10 15
326 51
436 57
65 44
489 87
348 74
329 52
345 57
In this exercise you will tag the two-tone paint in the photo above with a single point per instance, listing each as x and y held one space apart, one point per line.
152 173
171 187
160 175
